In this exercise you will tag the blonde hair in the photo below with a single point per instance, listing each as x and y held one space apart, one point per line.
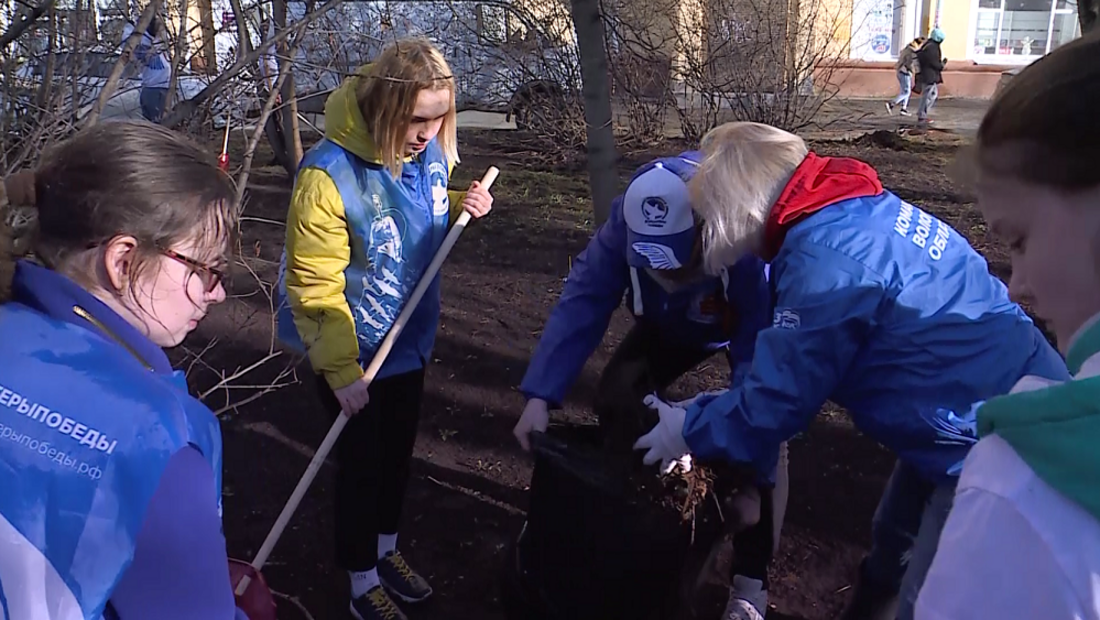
1042 127
745 168
387 94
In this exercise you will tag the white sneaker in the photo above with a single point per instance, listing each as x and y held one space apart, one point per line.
748 600
740 609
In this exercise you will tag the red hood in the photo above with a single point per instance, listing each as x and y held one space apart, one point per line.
817 183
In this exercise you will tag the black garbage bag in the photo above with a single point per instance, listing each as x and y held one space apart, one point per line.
596 544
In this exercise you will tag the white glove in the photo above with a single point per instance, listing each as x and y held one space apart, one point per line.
665 443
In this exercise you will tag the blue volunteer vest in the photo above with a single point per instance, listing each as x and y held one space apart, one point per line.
85 433
395 227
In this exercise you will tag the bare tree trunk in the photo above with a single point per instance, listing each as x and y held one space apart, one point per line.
179 52
1088 11
244 43
209 52
592 49
45 90
20 25
289 116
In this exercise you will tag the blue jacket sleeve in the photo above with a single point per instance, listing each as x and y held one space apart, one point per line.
577 323
825 307
180 569
748 292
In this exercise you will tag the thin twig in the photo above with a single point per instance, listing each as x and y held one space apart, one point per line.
18 28
116 72
240 373
258 132
293 600
184 110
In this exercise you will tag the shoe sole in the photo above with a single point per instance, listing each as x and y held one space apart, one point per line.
407 599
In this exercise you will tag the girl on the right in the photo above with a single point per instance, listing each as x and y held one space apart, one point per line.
1023 538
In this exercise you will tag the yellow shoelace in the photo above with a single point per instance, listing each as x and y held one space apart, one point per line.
383 604
402 568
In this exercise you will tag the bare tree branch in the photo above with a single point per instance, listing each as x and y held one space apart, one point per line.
1088 12
116 73
19 27
258 132
185 109
592 49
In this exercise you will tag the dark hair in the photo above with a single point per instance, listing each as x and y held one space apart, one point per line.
125 178
1042 128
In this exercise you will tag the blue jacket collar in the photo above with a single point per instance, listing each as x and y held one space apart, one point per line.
64 300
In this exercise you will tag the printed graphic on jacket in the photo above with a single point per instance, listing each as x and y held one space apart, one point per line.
382 290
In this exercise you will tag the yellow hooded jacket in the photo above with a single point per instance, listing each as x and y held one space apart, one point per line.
318 247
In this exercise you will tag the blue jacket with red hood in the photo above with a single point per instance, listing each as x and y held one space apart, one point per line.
881 308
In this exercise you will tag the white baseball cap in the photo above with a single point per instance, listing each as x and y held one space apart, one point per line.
659 221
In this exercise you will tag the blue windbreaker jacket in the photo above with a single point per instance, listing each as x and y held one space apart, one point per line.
110 470
883 309
715 313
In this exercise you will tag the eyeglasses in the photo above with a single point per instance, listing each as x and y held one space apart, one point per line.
211 277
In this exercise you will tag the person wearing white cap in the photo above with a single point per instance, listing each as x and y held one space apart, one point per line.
650 250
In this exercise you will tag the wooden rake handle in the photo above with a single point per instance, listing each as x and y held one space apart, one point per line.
369 375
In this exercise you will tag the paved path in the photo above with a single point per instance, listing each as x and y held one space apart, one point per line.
851 117
839 119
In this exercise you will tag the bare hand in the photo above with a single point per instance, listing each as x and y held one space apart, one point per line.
353 398
478 201
535 417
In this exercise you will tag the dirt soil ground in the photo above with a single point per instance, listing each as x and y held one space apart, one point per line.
467 495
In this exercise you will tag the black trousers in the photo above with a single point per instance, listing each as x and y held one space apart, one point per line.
372 457
644 363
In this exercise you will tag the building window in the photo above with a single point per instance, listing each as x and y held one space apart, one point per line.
1020 31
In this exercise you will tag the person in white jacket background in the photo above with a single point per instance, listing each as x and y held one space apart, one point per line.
1023 538
156 71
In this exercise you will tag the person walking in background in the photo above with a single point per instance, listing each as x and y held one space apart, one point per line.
931 63
906 67
156 71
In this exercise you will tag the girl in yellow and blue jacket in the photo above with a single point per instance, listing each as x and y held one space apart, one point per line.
370 208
